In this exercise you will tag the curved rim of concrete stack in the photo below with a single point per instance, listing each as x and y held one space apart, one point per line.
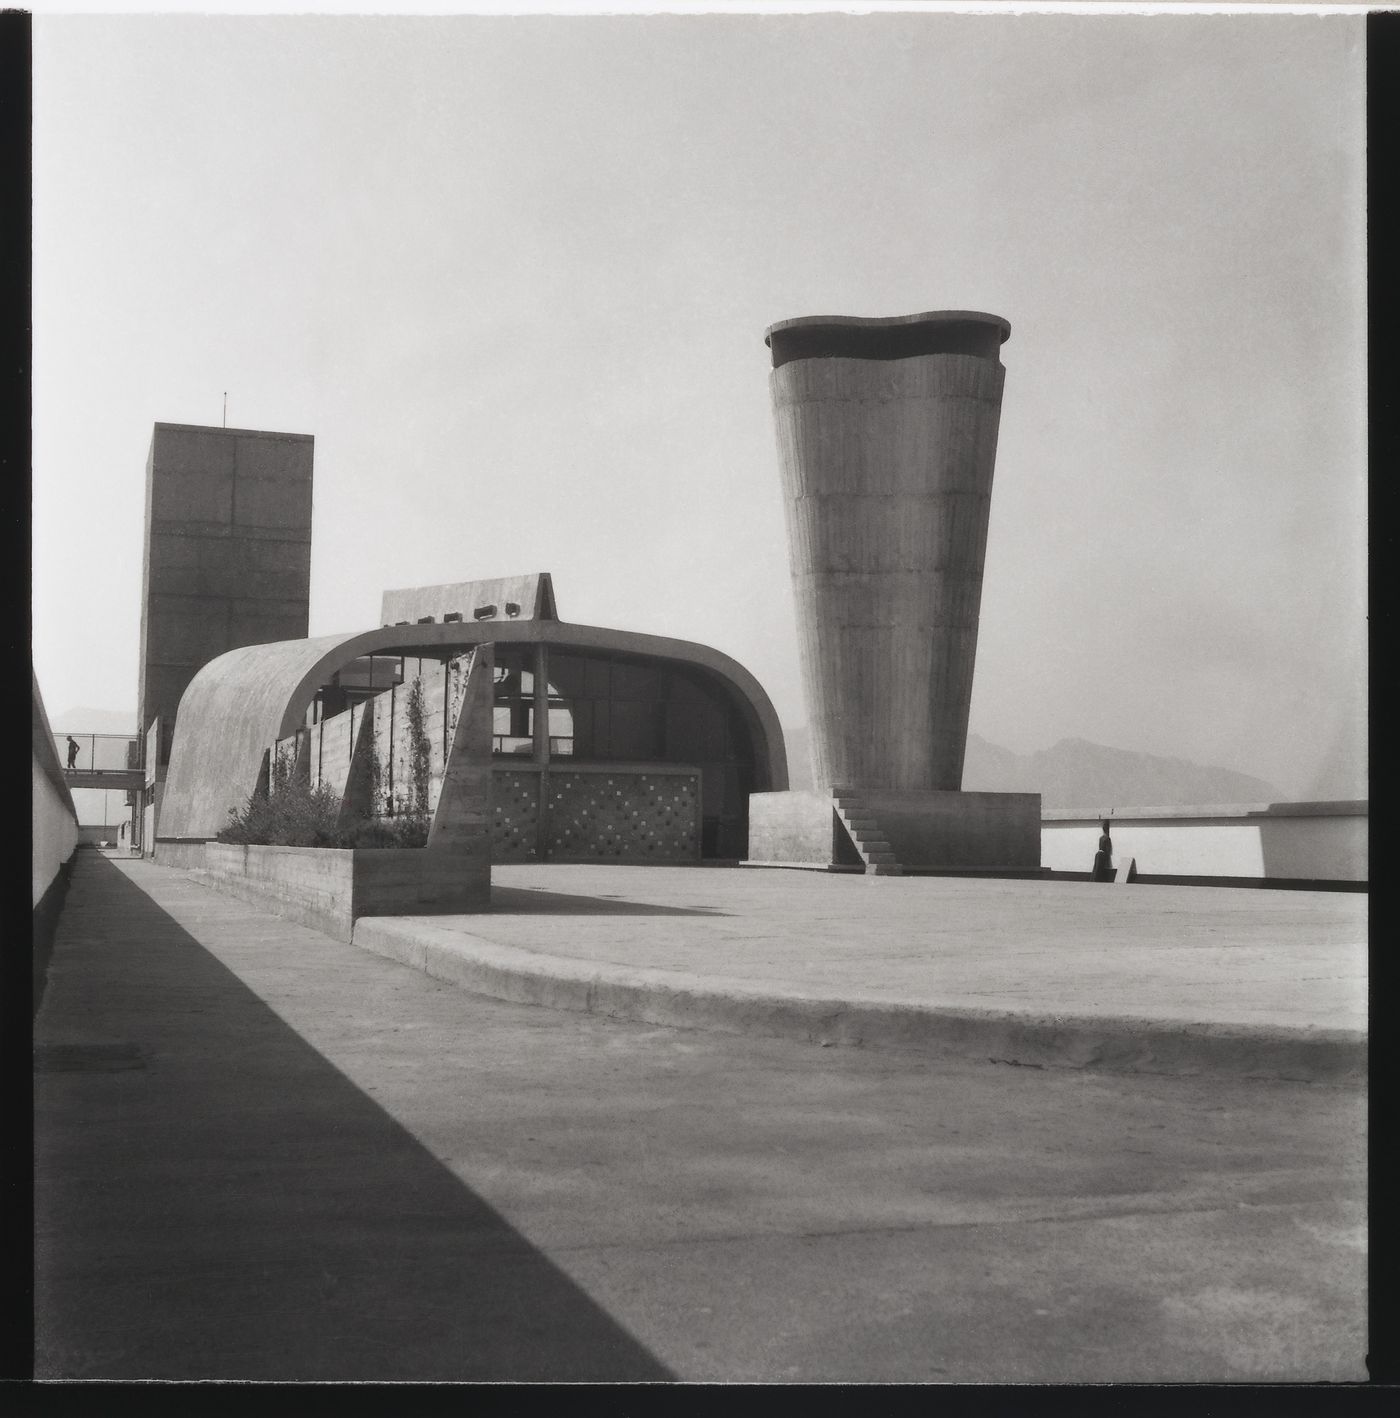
887 337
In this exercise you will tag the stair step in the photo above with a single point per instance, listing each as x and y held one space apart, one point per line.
884 869
884 858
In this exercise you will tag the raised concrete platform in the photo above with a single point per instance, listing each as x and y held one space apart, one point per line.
1044 974
888 831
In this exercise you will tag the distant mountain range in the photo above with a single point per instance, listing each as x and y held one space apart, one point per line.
1078 774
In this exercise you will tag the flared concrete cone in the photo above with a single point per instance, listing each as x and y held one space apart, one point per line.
887 436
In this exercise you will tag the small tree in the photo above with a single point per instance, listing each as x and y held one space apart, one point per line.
420 750
293 814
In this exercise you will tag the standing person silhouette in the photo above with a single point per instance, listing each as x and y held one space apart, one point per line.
1103 858
72 750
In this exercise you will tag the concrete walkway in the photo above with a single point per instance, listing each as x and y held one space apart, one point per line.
1157 979
263 1154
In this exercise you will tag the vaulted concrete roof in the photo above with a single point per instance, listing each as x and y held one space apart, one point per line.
243 701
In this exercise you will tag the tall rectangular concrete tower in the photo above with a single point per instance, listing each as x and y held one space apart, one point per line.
227 557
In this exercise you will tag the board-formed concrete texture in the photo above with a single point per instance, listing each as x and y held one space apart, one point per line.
228 552
887 436
239 704
988 831
329 888
502 598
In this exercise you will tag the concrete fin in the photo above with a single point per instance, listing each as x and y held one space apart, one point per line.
545 608
462 819
358 799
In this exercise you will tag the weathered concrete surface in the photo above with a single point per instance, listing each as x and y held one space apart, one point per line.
923 829
263 1154
956 829
239 704
329 888
1067 974
227 552
532 596
795 827
887 466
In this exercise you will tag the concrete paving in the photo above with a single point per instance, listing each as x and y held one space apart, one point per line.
264 1154
1061 974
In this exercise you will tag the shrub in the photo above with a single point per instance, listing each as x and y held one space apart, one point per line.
296 815
409 831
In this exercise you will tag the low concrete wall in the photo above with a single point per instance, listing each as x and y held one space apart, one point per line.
327 888
924 829
314 886
951 829
792 827
1301 842
183 856
421 881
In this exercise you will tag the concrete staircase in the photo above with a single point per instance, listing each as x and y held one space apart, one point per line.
870 842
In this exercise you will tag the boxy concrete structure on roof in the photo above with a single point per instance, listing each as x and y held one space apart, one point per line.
226 563
227 559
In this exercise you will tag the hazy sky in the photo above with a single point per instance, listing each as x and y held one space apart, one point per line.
514 273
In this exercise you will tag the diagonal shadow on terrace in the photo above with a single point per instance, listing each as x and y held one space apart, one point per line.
540 901
214 1199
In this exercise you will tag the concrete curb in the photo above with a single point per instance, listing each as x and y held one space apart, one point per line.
1106 1043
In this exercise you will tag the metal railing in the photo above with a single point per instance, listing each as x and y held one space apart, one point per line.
519 746
98 753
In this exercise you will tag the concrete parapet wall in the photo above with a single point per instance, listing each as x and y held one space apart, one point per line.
1283 841
54 820
55 831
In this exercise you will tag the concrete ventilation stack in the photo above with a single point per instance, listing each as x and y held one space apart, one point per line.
887 436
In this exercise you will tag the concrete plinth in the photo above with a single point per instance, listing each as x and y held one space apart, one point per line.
896 829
